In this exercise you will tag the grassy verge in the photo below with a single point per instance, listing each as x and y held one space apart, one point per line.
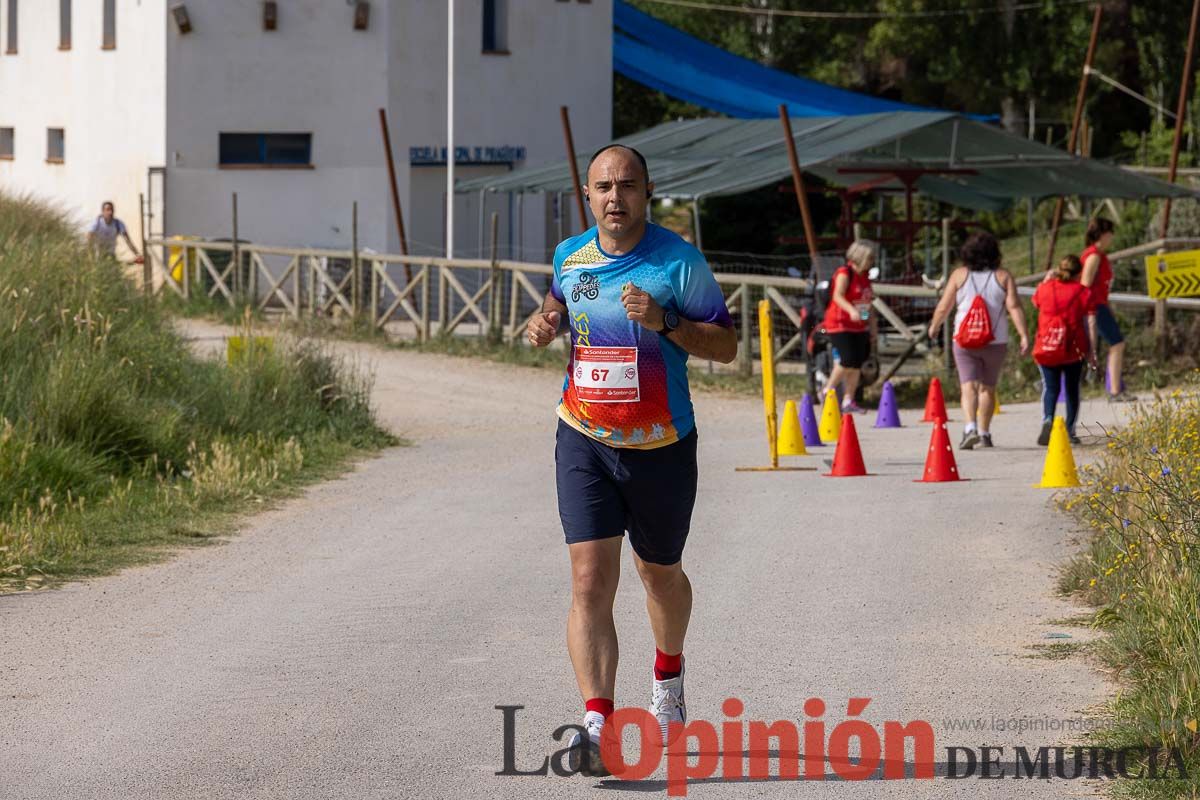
116 442
1141 568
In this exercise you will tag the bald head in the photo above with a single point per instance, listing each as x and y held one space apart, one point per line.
641 159
618 192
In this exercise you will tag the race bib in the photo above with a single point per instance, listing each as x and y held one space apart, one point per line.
606 374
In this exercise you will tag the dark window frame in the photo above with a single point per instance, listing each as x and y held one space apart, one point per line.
108 30
10 36
265 150
495 28
8 143
64 24
62 146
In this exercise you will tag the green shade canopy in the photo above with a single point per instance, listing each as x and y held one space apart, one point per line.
992 168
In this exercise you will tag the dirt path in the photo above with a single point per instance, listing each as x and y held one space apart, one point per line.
355 641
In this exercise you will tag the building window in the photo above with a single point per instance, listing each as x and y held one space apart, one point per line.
11 43
266 149
64 24
56 147
495 26
6 144
110 25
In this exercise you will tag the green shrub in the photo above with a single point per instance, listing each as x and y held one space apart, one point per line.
1141 502
109 423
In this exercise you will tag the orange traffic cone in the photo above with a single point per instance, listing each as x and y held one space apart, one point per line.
847 459
939 463
935 404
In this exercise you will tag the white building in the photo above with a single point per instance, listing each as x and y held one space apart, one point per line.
189 101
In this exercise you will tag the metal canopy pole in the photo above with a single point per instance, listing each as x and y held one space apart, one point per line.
696 222
798 184
391 165
1160 307
565 115
1071 142
1180 116
449 131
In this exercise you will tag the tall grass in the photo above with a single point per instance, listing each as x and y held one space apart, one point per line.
114 437
1142 569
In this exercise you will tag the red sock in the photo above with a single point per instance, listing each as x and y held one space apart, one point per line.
601 705
666 666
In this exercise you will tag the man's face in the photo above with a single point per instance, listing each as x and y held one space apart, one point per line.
616 192
106 211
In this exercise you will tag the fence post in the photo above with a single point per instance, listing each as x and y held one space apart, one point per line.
425 303
747 359
189 256
237 266
296 287
513 301
493 297
312 288
147 277
374 293
947 333
443 300
355 268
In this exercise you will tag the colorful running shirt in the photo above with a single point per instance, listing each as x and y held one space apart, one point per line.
625 385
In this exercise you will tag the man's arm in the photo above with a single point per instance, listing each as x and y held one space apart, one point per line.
545 326
129 242
705 340
700 339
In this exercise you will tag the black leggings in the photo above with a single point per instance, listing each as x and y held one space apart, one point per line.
1053 379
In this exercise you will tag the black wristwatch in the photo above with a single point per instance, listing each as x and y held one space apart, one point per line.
670 322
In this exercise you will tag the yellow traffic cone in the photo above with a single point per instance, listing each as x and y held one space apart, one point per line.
791 440
1059 471
830 428
996 406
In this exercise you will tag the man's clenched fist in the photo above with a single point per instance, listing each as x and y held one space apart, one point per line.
542 328
641 307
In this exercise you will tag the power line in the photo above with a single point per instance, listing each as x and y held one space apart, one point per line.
787 12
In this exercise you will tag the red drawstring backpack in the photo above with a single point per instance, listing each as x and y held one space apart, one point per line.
1057 340
975 331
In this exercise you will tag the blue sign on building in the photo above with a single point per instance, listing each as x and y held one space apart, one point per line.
436 156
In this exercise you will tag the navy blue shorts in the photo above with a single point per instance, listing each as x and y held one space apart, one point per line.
605 491
1106 325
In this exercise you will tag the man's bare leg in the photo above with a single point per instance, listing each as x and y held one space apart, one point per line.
668 603
591 634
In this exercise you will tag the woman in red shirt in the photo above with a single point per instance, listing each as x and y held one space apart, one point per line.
1062 342
1097 276
850 322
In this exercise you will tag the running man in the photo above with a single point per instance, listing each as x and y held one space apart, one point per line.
102 234
638 300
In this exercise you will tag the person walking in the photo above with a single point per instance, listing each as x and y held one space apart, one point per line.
980 291
638 300
850 321
1065 338
1097 277
103 232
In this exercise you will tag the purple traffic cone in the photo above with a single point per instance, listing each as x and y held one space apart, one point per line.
888 415
808 422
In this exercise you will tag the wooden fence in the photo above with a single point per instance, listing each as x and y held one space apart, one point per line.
436 296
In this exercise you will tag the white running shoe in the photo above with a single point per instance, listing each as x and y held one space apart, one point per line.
666 704
585 757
